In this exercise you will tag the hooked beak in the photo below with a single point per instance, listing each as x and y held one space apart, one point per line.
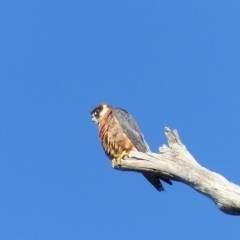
94 119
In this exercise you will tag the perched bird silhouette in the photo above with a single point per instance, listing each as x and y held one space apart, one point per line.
120 134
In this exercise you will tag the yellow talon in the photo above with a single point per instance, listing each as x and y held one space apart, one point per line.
114 161
117 159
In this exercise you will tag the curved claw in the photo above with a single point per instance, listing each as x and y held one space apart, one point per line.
117 159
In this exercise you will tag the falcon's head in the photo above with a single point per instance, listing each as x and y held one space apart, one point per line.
98 112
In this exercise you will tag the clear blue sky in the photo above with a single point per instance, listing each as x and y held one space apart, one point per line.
169 63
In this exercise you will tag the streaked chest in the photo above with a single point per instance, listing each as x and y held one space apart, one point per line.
113 137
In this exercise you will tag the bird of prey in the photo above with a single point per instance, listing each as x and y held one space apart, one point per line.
120 134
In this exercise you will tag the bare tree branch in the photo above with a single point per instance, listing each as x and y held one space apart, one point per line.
176 163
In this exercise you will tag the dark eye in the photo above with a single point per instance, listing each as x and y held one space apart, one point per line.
97 112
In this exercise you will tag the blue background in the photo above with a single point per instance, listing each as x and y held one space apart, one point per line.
169 63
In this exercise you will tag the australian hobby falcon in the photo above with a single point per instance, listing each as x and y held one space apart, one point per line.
120 134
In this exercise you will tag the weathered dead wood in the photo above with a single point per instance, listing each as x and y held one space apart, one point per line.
176 163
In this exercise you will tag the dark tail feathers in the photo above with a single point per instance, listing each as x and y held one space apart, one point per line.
155 181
